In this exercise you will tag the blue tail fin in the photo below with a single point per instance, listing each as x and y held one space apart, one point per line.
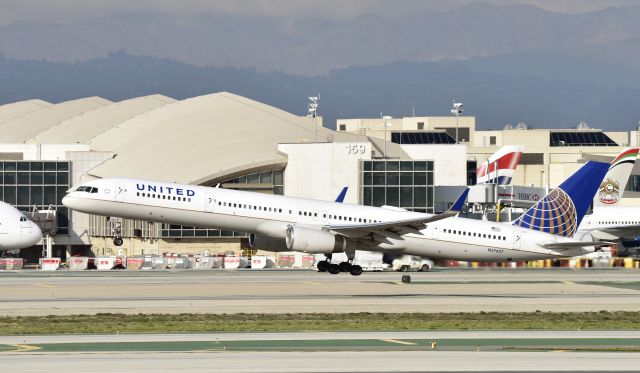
561 211
342 194
457 205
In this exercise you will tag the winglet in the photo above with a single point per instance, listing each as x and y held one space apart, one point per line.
457 205
342 194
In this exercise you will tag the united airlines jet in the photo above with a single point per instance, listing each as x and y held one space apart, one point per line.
16 231
278 223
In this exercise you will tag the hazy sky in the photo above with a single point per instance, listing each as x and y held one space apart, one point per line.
70 10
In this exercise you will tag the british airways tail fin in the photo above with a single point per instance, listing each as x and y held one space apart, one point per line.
342 194
561 210
500 167
614 183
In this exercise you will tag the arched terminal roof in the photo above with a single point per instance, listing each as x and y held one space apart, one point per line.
83 127
16 109
204 138
21 128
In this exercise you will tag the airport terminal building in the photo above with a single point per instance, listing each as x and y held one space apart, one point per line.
242 144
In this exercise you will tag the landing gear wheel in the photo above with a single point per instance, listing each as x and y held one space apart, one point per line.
345 267
356 270
118 241
323 266
334 269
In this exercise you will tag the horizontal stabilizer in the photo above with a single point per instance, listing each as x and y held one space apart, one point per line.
574 244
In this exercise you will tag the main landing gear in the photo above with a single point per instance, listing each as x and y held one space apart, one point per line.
334 269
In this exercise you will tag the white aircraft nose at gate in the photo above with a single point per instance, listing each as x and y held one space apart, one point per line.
36 233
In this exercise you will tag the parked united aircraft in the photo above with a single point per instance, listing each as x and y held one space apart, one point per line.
609 221
500 166
16 231
278 223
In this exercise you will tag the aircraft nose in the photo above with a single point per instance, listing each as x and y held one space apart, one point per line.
69 201
36 233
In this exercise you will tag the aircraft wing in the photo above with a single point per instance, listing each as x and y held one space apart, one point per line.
398 226
573 244
628 232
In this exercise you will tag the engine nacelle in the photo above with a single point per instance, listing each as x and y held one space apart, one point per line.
314 241
267 243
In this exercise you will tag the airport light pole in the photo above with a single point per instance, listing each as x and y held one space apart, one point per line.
456 110
312 112
386 124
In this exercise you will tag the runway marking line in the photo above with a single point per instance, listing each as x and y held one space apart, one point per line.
25 348
399 342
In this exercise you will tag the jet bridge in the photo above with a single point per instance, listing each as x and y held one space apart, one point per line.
47 221
490 201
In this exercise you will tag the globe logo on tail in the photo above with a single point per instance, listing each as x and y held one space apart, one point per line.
555 214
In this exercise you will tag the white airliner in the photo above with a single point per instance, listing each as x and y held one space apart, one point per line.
16 231
609 221
278 223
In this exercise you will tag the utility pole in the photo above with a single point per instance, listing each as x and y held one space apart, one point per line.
457 110
386 124
312 112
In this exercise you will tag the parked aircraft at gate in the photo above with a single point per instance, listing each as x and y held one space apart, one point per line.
609 221
278 223
16 231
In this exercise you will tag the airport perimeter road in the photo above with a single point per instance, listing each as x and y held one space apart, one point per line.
37 293
322 352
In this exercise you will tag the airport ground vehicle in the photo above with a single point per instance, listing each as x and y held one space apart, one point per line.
411 263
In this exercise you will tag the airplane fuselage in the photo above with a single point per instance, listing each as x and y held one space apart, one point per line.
270 215
16 231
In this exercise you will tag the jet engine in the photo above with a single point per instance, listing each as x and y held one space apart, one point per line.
267 243
314 241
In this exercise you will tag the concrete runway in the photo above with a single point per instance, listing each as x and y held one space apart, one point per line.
270 291
311 362
321 361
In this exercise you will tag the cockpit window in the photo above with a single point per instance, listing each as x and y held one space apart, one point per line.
22 218
87 189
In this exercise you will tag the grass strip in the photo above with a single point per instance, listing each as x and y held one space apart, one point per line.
245 322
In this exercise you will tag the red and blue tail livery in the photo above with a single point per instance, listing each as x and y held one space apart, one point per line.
561 211
500 167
